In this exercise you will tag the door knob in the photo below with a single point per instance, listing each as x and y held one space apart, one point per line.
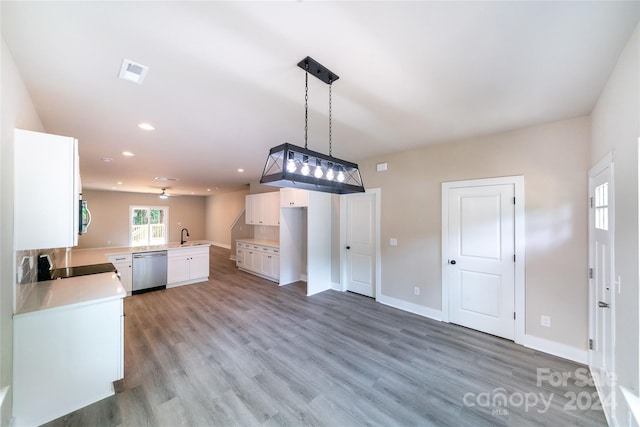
452 262
348 247
603 304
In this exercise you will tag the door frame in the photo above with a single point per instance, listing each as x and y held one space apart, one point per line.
519 245
605 163
342 286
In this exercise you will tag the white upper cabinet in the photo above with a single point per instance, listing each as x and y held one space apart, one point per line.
47 190
293 198
263 209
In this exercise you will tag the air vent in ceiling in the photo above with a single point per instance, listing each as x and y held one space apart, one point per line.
132 71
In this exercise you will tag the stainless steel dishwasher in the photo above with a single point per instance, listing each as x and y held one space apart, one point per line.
149 271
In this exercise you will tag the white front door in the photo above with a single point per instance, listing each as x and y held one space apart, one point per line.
602 296
361 244
480 258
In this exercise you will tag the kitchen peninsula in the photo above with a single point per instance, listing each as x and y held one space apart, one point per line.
187 263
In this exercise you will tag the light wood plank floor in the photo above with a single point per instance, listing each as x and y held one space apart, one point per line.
239 350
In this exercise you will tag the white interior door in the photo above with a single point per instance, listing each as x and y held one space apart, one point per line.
601 300
361 244
481 257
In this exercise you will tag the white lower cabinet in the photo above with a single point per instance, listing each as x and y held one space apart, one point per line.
66 358
186 266
122 263
261 260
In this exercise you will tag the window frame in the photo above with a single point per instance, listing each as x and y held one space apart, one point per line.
165 222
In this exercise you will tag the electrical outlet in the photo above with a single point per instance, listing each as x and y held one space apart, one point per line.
545 321
416 290
393 241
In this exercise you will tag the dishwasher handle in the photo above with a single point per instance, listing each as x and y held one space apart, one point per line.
149 254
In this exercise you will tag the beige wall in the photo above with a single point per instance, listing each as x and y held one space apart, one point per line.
616 129
17 111
554 159
110 216
221 212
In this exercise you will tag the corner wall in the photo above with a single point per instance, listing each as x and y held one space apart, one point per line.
221 211
616 128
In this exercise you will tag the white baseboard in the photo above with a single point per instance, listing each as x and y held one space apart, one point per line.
420 310
632 409
221 245
336 287
555 348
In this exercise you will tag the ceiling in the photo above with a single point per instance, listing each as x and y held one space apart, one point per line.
223 85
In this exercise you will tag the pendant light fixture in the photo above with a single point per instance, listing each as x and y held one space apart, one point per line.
291 166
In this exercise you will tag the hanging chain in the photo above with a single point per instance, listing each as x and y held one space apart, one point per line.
330 84
306 104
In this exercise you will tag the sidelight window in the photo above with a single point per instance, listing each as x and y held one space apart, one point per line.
148 225
602 206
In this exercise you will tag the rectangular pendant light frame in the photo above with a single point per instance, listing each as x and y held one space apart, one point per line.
291 166
285 167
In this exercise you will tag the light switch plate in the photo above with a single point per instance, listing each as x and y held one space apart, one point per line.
393 241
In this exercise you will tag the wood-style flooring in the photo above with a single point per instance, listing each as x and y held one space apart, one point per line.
239 350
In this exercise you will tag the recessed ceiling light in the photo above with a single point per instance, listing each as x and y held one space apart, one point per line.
240 170
128 153
146 126
119 182
208 189
132 71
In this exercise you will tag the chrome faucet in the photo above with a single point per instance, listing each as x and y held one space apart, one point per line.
182 240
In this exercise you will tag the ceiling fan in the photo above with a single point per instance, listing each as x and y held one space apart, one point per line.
164 194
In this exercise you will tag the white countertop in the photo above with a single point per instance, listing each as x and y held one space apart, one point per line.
79 257
73 291
270 243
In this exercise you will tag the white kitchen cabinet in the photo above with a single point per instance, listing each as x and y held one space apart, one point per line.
260 259
262 209
66 358
250 209
123 263
187 265
46 169
294 198
271 265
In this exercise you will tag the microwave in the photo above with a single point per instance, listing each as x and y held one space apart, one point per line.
85 217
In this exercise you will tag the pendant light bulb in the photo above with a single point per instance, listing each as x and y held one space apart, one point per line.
330 174
305 166
318 172
340 176
291 164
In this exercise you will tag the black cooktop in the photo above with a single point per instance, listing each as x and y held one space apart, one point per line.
82 270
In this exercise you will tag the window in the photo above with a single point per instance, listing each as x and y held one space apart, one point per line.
148 225
602 206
